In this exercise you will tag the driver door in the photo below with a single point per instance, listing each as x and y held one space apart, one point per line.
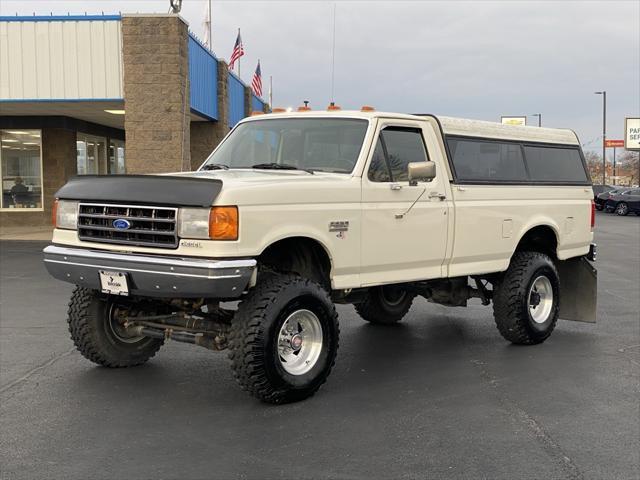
404 227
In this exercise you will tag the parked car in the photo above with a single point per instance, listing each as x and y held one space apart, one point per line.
624 202
602 198
598 189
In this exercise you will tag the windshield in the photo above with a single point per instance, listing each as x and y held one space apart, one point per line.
312 144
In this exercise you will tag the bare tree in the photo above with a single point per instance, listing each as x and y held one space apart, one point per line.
630 162
594 166
629 159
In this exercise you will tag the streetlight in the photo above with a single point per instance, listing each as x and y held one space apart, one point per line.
539 115
604 132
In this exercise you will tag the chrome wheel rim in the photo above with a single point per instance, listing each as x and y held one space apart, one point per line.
622 208
540 300
300 342
393 296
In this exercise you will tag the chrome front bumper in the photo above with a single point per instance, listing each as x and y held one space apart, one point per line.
153 276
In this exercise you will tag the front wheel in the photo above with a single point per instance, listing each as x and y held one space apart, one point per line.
100 336
622 209
284 339
526 301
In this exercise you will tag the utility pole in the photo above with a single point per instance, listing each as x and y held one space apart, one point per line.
604 133
614 165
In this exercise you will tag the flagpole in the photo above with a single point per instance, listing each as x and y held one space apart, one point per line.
210 29
333 55
270 92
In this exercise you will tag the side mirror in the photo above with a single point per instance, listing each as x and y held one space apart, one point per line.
421 172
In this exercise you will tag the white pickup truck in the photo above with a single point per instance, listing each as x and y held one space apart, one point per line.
294 212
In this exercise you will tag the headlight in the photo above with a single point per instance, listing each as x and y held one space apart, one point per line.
193 223
217 223
66 214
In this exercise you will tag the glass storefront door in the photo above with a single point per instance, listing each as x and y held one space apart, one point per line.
91 154
116 157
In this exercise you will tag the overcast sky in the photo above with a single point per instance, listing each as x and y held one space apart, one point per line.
475 59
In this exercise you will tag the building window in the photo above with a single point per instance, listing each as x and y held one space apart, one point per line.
21 169
116 157
91 154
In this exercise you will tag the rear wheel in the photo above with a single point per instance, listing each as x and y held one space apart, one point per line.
100 337
622 209
284 339
385 305
526 301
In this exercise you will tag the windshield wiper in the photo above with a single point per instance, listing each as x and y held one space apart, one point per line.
279 166
215 166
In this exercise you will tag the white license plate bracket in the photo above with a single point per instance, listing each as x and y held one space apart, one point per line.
114 283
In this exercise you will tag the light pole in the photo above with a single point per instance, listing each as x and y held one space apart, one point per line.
604 133
539 115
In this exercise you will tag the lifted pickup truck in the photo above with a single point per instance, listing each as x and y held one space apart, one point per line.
294 212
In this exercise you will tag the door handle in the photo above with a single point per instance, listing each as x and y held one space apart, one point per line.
395 186
441 196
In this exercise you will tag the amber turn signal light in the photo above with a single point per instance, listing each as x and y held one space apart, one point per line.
223 223
367 108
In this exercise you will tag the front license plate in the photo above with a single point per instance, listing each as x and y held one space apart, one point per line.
114 283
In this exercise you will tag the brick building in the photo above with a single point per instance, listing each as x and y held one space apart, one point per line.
106 94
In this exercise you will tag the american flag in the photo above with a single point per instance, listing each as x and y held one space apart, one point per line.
238 51
256 83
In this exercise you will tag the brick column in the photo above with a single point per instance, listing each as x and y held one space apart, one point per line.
222 125
156 93
248 97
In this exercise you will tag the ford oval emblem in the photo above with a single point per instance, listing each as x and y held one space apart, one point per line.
121 224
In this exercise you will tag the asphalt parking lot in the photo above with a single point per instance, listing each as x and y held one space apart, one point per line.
440 395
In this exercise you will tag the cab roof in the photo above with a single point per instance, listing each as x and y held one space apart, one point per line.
450 125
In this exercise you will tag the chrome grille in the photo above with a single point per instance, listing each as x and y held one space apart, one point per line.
148 226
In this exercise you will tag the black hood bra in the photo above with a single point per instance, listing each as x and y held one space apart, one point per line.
167 190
